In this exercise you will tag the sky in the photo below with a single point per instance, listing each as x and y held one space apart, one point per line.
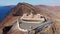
34 2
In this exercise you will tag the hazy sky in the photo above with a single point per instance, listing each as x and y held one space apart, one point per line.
35 2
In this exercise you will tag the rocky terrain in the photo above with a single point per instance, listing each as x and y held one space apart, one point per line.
53 12
50 12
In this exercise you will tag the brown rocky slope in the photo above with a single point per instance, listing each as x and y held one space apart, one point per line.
51 12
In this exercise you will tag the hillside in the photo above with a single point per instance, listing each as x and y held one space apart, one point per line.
51 12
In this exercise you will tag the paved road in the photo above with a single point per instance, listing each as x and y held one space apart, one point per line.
41 26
